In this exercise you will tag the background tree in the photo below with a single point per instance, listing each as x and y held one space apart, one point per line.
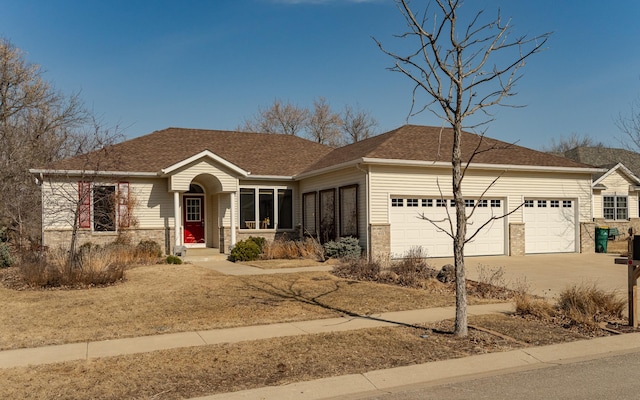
357 124
282 118
564 143
323 125
462 68
629 125
37 125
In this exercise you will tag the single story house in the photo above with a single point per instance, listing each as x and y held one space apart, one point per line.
616 189
207 188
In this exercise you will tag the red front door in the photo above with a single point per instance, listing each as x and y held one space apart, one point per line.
193 215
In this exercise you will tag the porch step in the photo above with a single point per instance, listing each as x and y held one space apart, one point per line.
207 254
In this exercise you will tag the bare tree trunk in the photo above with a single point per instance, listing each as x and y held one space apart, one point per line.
460 236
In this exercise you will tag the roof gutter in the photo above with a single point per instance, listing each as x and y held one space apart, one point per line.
500 167
443 164
269 177
329 169
79 172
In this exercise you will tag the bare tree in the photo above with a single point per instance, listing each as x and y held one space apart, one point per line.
323 125
463 68
357 124
36 123
630 126
564 143
282 118
86 195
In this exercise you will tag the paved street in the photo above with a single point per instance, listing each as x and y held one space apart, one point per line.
613 377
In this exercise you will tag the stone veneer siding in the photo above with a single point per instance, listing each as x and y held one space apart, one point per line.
623 226
516 239
588 237
62 237
380 246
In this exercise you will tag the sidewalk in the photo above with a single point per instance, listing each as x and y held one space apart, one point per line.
144 344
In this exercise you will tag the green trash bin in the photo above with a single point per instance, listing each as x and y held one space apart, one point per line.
602 236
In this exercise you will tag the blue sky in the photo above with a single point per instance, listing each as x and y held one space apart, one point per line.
148 65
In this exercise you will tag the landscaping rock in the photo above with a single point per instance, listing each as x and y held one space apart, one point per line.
447 274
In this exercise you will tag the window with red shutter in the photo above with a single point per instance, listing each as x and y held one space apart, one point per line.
84 204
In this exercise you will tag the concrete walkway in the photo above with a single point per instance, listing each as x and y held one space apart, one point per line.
144 344
212 259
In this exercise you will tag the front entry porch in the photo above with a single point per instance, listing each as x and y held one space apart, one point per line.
200 222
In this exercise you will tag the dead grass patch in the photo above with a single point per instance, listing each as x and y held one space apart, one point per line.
293 249
190 372
177 298
284 263
584 308
590 305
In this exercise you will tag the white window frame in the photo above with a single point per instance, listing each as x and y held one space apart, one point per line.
614 207
276 209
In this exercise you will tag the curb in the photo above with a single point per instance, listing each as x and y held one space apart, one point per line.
439 372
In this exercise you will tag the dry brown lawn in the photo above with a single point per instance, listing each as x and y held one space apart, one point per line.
176 298
190 372
170 298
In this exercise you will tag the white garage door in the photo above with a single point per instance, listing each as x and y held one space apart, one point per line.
409 230
549 226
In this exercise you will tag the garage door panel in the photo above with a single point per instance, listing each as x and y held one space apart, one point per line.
549 228
408 230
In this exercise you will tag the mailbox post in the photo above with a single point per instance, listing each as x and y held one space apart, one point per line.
633 272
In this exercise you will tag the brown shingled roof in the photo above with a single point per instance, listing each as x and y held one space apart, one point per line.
427 143
258 153
286 155
605 157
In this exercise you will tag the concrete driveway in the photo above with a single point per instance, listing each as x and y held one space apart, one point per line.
548 274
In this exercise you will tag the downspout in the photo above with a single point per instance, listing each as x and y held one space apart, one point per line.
40 183
366 202
176 220
590 198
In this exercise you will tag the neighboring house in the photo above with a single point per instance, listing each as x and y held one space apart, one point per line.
616 189
205 188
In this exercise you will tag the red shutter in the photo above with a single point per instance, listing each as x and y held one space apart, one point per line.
84 204
124 219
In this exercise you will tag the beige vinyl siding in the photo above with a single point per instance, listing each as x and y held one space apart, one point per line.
512 186
181 179
597 205
617 182
224 209
153 203
59 201
335 180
